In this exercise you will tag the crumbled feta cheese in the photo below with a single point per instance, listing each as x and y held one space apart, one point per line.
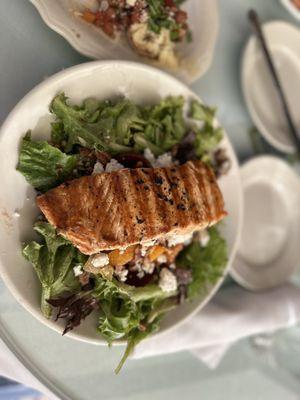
150 156
140 274
164 160
172 266
167 280
204 237
175 239
146 245
78 270
123 249
100 260
148 267
138 268
131 3
103 5
144 16
113 165
162 259
143 267
98 168
121 273
149 243
144 251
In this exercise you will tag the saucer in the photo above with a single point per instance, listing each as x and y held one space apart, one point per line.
269 248
258 88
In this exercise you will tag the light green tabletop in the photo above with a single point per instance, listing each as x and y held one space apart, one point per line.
256 368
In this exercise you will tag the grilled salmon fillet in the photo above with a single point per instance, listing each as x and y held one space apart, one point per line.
113 210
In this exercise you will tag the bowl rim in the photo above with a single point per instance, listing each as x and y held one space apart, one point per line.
61 75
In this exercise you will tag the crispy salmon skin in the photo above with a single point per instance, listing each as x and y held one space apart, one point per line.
116 209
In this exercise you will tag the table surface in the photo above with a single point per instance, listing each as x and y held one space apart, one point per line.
262 367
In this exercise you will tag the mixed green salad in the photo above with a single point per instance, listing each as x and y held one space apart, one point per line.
128 298
152 27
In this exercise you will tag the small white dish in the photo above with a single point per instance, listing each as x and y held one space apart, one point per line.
258 88
292 9
269 248
102 80
90 41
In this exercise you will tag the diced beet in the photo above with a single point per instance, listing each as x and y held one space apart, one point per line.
133 160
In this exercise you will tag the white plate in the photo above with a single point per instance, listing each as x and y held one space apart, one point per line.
103 80
292 9
92 42
259 91
269 247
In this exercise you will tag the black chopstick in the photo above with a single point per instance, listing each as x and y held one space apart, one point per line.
255 23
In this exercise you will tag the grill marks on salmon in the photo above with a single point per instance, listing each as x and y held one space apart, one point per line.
114 210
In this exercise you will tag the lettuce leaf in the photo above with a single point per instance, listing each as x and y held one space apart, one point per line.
165 126
128 312
136 336
208 136
201 112
206 263
98 125
53 260
44 166
120 126
207 139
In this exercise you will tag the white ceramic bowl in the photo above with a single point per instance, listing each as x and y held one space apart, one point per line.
92 42
103 80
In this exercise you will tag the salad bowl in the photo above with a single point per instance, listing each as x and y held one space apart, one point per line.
102 80
89 40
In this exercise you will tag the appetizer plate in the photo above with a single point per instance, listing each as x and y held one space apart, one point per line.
60 15
259 91
292 9
269 247
102 80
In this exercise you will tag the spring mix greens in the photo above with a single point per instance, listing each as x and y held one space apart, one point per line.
126 310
